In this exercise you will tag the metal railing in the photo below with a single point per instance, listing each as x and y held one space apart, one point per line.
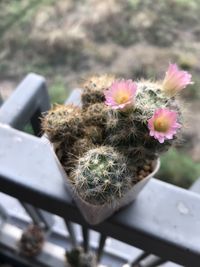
164 220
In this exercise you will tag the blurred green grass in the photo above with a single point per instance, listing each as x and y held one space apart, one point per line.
178 168
58 92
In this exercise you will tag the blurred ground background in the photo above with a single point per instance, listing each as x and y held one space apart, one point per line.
66 40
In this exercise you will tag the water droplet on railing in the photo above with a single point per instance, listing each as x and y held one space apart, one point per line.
17 139
182 208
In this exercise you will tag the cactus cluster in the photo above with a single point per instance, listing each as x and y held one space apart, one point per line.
128 131
110 143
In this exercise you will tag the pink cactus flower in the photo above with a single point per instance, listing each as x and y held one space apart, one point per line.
175 80
163 125
121 94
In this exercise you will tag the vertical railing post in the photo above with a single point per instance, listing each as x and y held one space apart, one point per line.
86 238
3 216
72 233
102 242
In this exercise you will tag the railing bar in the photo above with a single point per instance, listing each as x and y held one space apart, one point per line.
30 96
102 241
85 232
154 262
72 233
27 103
142 256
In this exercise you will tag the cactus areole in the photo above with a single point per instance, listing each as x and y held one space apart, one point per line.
110 145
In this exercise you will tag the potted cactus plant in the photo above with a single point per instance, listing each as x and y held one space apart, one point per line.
78 258
32 241
109 148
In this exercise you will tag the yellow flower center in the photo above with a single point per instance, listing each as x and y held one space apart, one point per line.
161 124
122 97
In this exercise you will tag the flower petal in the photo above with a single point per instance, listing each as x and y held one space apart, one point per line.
175 80
121 94
163 124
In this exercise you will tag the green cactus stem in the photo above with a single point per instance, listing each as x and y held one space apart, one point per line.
101 176
63 123
94 89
